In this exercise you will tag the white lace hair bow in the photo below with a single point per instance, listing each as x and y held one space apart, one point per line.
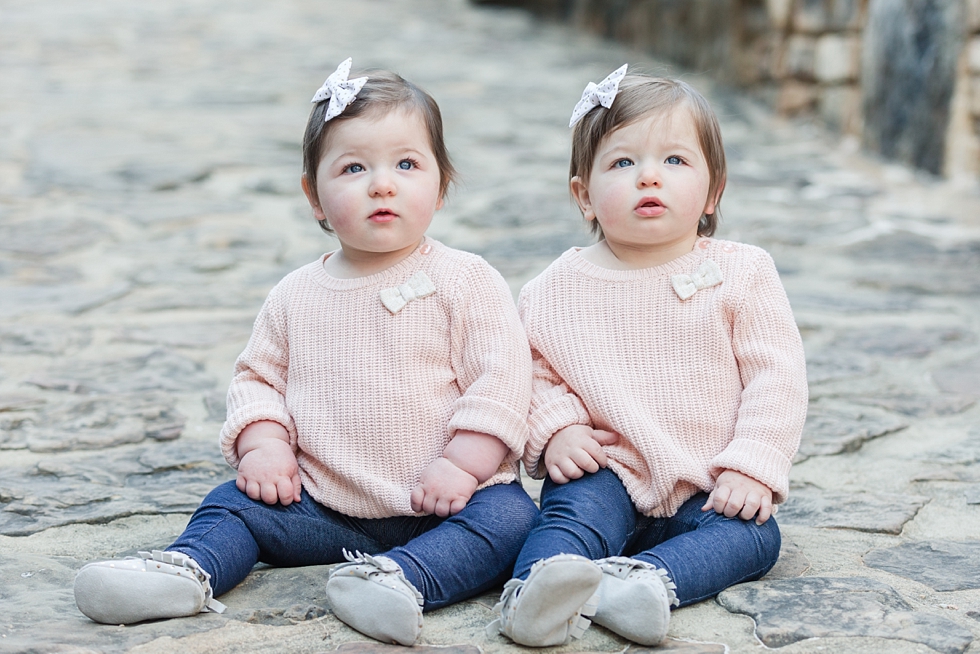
339 89
707 275
595 94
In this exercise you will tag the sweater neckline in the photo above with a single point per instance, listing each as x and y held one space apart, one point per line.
388 277
682 264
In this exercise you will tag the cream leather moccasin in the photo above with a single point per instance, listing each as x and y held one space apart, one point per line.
372 595
156 585
551 605
634 599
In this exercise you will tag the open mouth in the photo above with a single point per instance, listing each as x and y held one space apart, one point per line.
650 207
383 215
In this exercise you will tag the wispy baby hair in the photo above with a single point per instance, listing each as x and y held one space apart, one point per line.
383 92
640 96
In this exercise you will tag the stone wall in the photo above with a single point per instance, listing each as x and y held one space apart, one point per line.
901 75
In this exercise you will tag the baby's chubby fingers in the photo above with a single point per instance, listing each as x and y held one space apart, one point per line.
751 506
718 499
603 437
765 511
588 461
285 491
418 495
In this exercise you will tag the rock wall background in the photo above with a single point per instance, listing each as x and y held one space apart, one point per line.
903 76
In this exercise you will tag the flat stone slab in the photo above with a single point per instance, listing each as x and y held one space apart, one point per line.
941 565
918 406
790 610
159 370
963 378
896 341
872 512
92 423
837 427
96 488
834 365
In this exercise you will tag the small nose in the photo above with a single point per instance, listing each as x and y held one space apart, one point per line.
648 176
382 184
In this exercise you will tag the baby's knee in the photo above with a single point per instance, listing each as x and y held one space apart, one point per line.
769 542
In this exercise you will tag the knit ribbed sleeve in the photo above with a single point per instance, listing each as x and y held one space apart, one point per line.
369 396
694 385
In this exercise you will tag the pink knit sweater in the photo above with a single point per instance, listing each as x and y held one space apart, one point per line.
369 397
693 386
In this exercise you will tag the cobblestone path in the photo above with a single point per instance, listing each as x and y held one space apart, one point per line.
149 198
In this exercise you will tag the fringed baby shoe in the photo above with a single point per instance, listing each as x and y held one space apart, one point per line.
551 605
635 599
372 595
155 585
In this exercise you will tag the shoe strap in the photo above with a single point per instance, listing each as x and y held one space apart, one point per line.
366 566
622 566
182 560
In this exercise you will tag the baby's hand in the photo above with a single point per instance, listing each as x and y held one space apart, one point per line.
576 450
739 495
268 469
444 489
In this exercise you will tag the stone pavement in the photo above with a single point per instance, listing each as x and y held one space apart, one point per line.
149 198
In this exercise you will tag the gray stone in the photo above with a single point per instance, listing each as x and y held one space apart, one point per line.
899 341
672 645
84 488
216 406
792 561
835 427
873 512
66 298
972 495
35 339
918 406
963 378
834 365
44 238
191 335
95 423
790 610
159 370
381 648
944 566
853 302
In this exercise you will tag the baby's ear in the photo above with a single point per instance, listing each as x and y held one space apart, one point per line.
580 191
312 198
712 204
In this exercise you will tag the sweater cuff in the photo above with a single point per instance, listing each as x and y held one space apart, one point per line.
245 416
487 416
544 422
762 462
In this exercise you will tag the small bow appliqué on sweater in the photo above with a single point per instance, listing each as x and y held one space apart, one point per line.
707 275
418 286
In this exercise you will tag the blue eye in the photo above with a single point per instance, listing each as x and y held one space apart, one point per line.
622 163
407 164
354 168
674 160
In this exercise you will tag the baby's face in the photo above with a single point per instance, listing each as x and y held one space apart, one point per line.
649 184
378 182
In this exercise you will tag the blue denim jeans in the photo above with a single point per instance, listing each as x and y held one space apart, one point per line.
446 559
702 551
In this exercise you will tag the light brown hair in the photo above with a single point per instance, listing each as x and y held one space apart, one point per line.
639 96
383 92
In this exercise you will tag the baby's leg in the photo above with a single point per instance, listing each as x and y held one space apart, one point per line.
592 516
472 551
555 578
230 532
225 537
704 552
441 561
